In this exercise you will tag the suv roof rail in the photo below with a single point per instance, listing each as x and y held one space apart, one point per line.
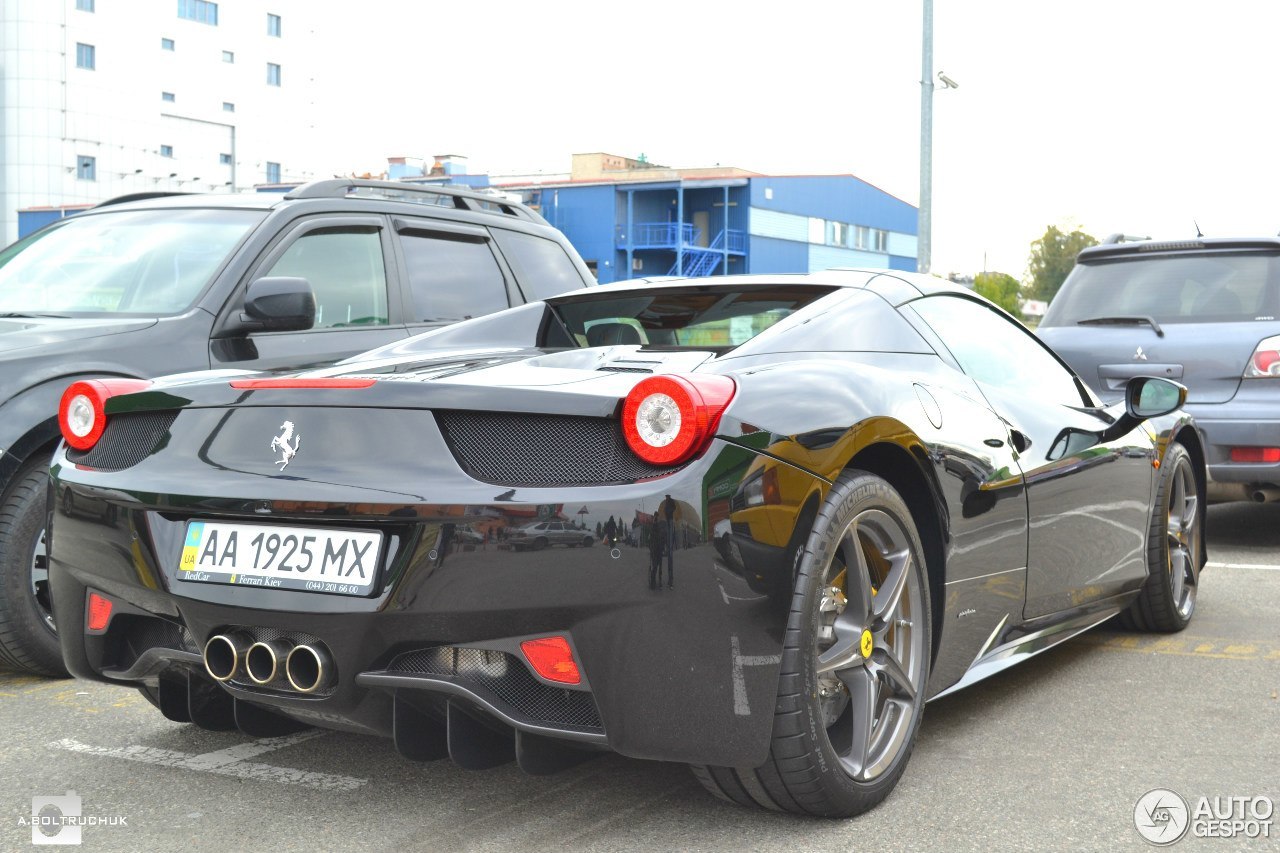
1121 237
432 194
143 196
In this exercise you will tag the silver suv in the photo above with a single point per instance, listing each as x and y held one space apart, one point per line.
1203 312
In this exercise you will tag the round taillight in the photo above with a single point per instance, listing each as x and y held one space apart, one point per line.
668 419
82 414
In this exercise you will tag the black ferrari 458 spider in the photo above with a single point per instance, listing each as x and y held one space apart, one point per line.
797 508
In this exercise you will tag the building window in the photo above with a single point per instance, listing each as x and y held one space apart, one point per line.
86 168
273 74
837 234
861 237
273 25
86 56
224 159
84 5
228 107
168 97
166 44
198 10
166 150
880 239
273 173
228 56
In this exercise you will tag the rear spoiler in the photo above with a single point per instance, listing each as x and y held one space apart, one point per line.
1128 247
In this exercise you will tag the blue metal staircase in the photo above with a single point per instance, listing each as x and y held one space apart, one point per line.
699 261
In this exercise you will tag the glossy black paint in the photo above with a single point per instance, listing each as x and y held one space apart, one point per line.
1019 543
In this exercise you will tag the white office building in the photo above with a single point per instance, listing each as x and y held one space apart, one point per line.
99 98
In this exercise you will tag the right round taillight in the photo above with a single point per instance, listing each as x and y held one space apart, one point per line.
82 412
669 419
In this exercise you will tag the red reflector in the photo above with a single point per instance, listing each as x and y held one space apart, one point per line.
552 658
99 612
1255 454
292 382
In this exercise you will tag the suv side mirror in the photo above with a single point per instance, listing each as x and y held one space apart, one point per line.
280 304
1150 397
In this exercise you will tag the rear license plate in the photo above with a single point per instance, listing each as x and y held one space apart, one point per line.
281 557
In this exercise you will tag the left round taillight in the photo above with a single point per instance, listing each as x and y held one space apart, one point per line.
82 414
668 419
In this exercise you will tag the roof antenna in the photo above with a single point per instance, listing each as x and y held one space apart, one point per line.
1197 225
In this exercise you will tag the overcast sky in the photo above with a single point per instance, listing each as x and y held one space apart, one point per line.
1111 115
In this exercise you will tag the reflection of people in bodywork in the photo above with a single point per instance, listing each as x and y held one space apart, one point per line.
667 513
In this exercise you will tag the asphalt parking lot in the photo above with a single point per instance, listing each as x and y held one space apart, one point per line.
1051 755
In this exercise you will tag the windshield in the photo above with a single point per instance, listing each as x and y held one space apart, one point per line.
717 318
126 262
1171 289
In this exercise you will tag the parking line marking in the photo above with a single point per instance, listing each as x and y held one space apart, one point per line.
1263 567
225 762
1204 647
245 751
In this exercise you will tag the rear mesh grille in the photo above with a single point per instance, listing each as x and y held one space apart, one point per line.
127 440
542 450
507 678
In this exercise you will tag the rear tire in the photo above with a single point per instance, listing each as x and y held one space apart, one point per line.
855 662
1168 598
28 640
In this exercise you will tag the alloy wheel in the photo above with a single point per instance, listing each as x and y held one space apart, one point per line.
1183 526
40 580
869 651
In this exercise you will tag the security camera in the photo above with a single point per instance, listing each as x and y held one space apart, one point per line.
947 82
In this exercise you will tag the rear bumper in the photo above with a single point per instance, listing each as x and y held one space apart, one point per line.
664 671
1240 423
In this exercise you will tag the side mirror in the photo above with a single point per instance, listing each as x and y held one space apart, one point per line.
1150 397
1145 397
280 304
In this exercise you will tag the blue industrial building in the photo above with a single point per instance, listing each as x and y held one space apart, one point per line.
631 219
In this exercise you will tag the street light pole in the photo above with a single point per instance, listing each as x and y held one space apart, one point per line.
924 249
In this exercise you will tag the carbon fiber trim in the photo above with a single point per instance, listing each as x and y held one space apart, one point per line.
542 450
507 678
138 634
126 441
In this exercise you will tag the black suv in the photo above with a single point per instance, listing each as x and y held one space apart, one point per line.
139 287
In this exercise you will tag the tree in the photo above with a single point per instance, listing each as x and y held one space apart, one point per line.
1052 257
1001 288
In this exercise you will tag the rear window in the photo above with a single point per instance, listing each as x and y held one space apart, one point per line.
543 267
716 318
1188 288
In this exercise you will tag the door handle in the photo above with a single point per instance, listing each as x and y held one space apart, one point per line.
993 442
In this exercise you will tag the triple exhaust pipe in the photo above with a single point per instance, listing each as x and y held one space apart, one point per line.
305 668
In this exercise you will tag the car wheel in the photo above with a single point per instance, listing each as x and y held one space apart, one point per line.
539 543
1174 545
28 639
855 662
587 541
